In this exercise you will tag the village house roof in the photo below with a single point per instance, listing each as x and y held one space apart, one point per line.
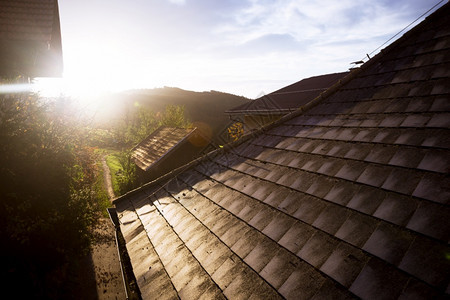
347 198
158 145
30 38
289 98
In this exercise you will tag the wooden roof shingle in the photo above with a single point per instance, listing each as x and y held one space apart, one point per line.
154 148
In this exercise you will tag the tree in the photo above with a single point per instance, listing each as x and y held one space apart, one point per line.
127 179
174 116
46 205
136 124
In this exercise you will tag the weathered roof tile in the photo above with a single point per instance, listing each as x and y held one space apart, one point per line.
318 248
260 256
357 229
367 199
344 264
373 175
309 209
296 237
380 279
277 228
351 170
380 154
407 157
437 161
424 259
263 218
303 283
279 268
402 181
434 187
396 209
242 285
246 243
428 219
331 218
389 243
341 193
418 290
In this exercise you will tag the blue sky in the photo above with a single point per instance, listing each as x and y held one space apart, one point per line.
244 47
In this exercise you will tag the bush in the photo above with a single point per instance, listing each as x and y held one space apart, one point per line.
47 206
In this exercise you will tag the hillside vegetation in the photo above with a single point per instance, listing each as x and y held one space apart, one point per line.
204 109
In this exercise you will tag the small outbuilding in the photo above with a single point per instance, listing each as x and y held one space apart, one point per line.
166 149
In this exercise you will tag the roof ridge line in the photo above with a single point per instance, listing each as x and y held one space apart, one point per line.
292 92
304 79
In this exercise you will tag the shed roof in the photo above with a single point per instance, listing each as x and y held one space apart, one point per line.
155 148
290 97
30 38
347 198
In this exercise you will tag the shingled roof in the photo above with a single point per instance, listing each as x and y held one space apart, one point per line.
30 38
154 148
347 198
291 97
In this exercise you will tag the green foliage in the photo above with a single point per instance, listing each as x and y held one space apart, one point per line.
174 116
115 169
100 192
123 172
127 179
47 206
137 124
134 126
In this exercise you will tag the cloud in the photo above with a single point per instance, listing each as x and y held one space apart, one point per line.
229 45
323 20
177 2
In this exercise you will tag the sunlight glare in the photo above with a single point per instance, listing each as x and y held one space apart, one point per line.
15 88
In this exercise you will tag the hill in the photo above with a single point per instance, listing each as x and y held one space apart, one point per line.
204 109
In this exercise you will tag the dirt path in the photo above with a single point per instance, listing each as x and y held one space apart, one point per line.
105 258
107 178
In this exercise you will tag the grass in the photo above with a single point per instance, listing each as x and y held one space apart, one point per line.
99 188
115 168
101 193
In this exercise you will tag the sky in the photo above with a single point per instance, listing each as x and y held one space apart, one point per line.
244 47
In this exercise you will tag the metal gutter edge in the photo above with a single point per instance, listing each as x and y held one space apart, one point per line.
115 220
